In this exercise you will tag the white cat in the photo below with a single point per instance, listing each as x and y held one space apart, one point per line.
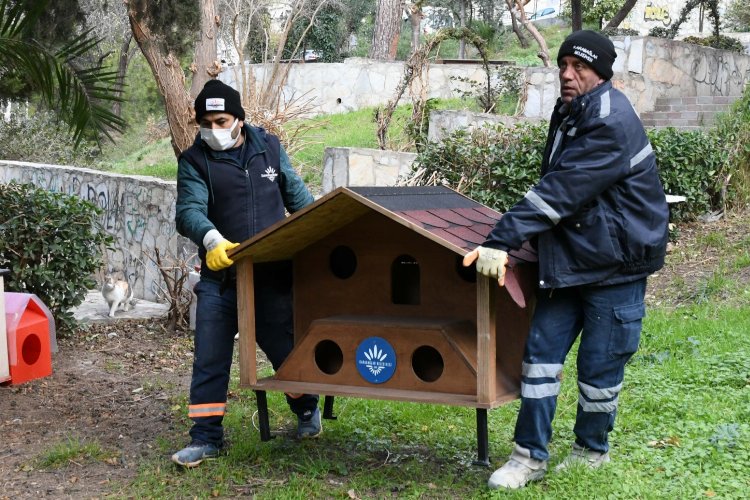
117 293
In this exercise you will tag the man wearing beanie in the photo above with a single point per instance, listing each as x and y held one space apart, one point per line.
598 219
233 182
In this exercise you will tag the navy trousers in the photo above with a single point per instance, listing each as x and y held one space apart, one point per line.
609 319
215 328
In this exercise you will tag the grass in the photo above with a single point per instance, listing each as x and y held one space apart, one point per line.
70 452
356 129
682 432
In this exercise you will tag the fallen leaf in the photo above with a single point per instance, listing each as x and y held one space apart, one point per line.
352 495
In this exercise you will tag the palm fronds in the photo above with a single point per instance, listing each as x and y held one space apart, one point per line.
79 95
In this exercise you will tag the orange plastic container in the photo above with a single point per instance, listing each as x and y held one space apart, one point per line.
29 332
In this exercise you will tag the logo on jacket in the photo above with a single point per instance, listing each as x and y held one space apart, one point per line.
270 174
376 360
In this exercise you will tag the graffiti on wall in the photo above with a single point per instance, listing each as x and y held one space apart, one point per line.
140 217
722 74
657 13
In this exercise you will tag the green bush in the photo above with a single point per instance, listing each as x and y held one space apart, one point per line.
688 163
721 42
52 244
496 165
41 138
733 133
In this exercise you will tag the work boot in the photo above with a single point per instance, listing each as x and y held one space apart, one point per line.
582 456
195 453
518 471
308 424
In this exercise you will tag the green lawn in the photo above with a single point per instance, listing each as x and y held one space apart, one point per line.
683 431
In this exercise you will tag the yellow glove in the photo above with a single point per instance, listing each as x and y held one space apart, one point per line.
217 246
491 262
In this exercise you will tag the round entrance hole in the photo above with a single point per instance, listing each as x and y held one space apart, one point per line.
328 357
427 363
31 349
343 262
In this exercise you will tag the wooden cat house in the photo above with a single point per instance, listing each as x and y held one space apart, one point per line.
383 307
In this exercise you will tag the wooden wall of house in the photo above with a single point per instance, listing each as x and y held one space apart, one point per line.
446 289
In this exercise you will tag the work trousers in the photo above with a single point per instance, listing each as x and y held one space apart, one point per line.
215 328
608 318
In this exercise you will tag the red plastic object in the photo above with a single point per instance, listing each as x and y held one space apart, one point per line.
28 332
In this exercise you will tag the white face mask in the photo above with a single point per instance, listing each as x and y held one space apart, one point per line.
220 139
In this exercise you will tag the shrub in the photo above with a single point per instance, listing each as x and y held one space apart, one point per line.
733 133
52 244
688 163
496 165
610 32
501 96
721 42
40 138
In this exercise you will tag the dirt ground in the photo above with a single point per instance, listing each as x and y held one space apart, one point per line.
114 384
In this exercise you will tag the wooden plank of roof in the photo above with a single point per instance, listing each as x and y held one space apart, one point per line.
397 217
287 237
331 212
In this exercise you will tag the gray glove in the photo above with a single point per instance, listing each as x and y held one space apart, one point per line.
491 262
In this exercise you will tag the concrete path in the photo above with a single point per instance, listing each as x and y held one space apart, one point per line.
95 310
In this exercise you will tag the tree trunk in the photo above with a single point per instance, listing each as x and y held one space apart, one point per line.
543 53
387 30
516 28
462 20
415 18
205 65
170 80
621 14
122 70
576 15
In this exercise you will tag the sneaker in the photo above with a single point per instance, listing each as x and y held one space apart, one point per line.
518 471
582 456
195 453
308 424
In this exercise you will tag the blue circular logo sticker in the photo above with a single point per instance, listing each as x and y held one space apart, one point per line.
376 360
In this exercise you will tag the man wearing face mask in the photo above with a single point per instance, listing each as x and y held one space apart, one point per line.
598 218
233 182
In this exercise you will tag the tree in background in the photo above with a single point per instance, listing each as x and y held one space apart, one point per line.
416 14
543 53
78 92
166 30
387 29
737 15
598 11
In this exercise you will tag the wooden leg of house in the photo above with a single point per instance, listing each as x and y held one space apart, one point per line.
328 408
265 429
483 443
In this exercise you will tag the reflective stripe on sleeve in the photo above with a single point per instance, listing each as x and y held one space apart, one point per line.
605 108
542 205
642 155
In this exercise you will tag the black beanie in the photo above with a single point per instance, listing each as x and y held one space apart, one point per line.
591 47
220 97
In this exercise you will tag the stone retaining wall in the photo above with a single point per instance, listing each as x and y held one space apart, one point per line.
138 211
363 167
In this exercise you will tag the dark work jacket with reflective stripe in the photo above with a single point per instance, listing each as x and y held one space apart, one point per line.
242 198
598 215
